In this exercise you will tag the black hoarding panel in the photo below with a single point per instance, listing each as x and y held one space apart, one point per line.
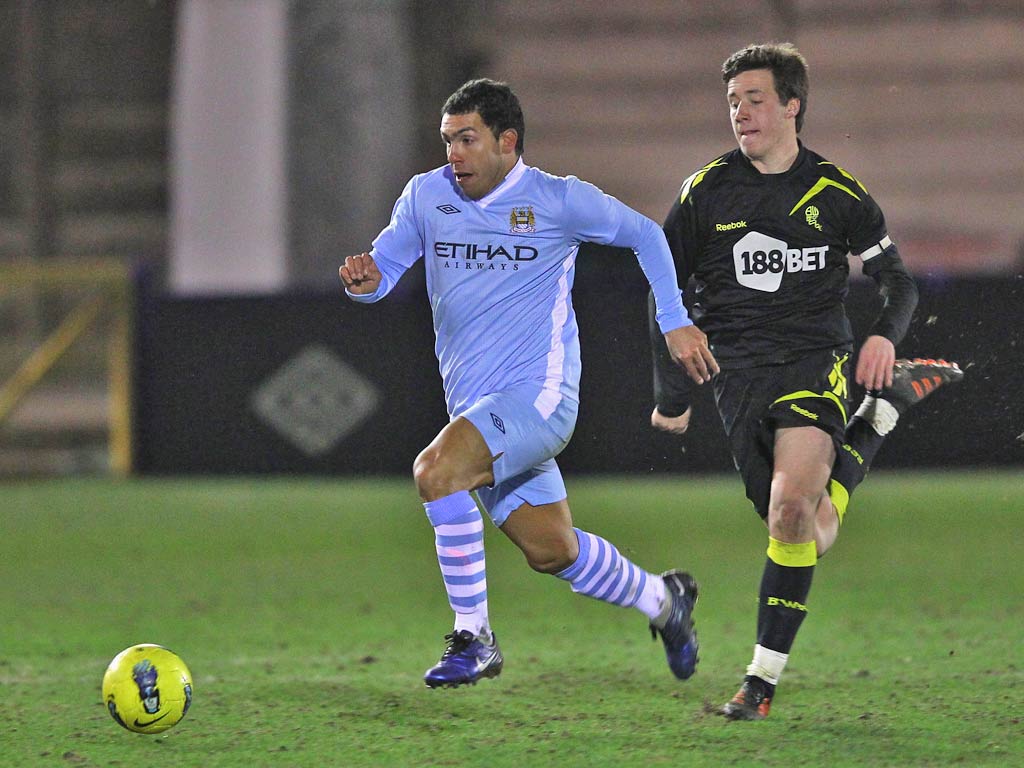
317 384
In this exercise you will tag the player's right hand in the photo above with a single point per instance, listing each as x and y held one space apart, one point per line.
689 348
360 274
677 425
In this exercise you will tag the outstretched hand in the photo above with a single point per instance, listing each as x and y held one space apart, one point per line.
360 274
689 348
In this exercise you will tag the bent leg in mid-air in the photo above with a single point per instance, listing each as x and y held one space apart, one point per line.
913 381
594 567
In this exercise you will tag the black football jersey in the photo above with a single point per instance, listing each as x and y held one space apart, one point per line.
769 256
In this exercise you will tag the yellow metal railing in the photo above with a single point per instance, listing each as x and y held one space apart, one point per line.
108 296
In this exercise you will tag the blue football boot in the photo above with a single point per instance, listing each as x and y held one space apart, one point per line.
466 660
678 634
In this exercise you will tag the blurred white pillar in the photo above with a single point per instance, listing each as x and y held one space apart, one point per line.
228 172
352 128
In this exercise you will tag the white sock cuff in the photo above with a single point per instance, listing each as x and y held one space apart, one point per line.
476 622
880 414
654 601
767 664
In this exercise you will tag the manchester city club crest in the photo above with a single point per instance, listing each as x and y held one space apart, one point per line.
521 220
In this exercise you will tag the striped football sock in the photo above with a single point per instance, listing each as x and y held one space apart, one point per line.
603 573
459 540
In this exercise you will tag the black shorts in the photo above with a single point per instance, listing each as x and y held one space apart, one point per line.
754 402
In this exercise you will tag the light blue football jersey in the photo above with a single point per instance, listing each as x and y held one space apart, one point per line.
500 273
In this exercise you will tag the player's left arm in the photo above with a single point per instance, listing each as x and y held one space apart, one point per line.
600 218
869 240
899 295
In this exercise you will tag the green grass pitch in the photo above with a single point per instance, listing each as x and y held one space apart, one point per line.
308 610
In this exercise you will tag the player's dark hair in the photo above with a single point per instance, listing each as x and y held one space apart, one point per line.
788 66
496 104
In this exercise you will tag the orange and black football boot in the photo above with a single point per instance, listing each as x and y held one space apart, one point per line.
914 380
752 701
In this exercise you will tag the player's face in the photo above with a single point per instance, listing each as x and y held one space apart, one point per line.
478 159
764 127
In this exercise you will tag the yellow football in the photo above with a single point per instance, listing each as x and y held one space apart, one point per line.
147 688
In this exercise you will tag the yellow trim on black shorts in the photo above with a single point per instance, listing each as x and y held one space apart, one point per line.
836 377
807 393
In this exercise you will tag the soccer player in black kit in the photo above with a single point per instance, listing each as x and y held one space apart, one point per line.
765 231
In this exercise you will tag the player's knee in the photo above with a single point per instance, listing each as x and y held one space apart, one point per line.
433 478
552 555
549 560
791 515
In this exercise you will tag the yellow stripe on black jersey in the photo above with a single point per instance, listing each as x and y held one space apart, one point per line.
847 174
698 177
820 185
822 182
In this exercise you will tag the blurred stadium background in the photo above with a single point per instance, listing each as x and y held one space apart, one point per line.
179 181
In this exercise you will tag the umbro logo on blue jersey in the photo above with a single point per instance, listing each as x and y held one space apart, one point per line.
448 208
498 423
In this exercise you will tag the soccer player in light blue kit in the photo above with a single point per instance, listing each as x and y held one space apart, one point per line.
500 239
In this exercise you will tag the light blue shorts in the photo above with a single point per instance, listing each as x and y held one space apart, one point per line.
526 471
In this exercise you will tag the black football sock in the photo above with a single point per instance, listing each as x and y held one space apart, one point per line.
782 605
861 442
